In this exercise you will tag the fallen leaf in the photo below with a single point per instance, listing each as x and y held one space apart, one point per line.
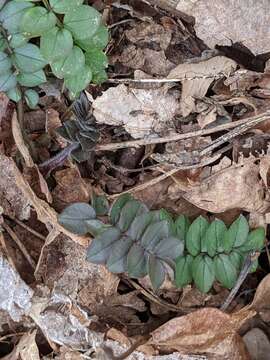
12 198
52 121
141 112
214 193
206 331
66 180
257 344
200 76
237 23
26 349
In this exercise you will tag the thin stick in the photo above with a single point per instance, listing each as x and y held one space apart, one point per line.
4 246
19 244
28 228
176 137
251 257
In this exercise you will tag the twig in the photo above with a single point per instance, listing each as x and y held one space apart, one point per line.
251 257
176 137
28 228
4 246
20 245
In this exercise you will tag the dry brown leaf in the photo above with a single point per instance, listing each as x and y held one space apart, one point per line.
235 187
202 74
26 349
206 331
66 180
141 112
264 169
12 198
261 299
151 61
223 21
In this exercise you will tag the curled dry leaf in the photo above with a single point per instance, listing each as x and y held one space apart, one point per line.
223 21
206 331
200 76
25 349
235 187
141 112
257 344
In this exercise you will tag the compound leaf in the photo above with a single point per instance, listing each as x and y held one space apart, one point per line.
117 207
56 44
74 217
183 271
255 240
170 247
195 234
10 15
18 40
28 58
33 79
83 21
237 259
212 240
7 81
237 234
100 248
98 41
154 233
78 82
100 204
130 210
117 261
156 271
140 223
69 65
37 21
225 271
32 98
203 272
137 261
64 6
5 63
181 225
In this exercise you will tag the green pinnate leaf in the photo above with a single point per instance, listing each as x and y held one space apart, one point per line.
11 14
69 65
183 271
237 234
74 218
130 210
203 272
79 82
140 224
33 79
154 233
212 241
5 63
225 271
100 204
56 44
64 6
100 248
237 259
169 248
7 81
83 21
31 98
156 271
255 240
117 261
195 234
182 225
28 58
137 261
117 207
37 21
95 227
99 40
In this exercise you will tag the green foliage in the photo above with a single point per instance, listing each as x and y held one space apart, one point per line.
142 242
68 36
